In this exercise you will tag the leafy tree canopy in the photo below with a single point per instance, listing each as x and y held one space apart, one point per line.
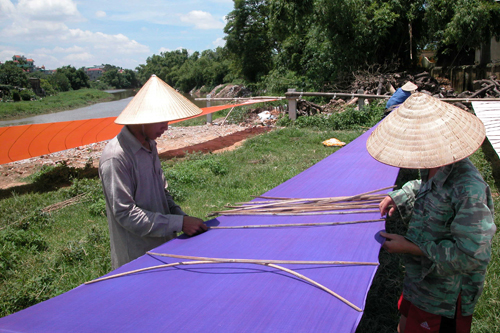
11 74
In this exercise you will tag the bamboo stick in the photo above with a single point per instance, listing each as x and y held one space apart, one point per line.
317 285
306 208
368 197
294 224
148 269
258 261
330 199
369 201
352 196
308 213
230 261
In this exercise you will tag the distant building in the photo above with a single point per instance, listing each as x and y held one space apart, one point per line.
94 73
28 65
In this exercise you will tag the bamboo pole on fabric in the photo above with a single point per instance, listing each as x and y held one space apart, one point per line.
308 213
303 208
284 200
303 205
248 206
294 224
269 263
148 269
260 261
331 292
329 199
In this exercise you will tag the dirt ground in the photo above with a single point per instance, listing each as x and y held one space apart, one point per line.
173 143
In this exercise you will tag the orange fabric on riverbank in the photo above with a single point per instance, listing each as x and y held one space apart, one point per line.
26 141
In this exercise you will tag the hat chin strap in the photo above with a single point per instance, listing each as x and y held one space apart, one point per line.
144 133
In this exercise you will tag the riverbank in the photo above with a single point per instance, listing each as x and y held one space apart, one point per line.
63 101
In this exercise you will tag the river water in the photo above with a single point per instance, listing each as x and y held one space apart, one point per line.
100 110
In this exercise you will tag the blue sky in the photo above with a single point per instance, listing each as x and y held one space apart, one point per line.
84 33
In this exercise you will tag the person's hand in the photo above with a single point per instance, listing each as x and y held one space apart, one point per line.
192 225
398 244
387 206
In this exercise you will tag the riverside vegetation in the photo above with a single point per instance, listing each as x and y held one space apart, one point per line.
45 252
61 101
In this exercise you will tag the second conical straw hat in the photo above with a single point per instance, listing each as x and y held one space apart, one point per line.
425 133
157 102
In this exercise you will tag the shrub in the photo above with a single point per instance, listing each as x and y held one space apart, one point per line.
16 96
26 95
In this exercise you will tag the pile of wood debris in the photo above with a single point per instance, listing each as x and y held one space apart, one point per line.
386 84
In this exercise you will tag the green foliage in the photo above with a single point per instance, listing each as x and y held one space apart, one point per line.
60 81
16 96
94 196
47 87
347 120
457 28
78 79
99 85
58 102
185 72
11 74
26 94
120 80
248 40
43 255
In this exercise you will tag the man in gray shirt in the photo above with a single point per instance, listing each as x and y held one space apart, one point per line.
141 213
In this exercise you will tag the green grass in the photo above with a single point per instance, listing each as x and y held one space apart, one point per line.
61 102
43 255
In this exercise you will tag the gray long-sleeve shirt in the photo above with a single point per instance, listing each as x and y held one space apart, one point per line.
141 213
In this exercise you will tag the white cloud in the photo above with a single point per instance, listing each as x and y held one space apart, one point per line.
6 53
33 30
59 49
49 9
163 49
202 20
6 8
219 42
78 58
100 13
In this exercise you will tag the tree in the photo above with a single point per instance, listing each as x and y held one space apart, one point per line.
77 78
247 39
60 81
11 74
457 28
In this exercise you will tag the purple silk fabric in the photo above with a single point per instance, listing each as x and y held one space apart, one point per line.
241 297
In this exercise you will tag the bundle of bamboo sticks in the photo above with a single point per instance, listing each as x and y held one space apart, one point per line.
367 202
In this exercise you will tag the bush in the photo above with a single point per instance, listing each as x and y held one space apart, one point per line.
16 96
347 120
26 95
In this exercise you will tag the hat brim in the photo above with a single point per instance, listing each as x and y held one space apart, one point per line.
425 133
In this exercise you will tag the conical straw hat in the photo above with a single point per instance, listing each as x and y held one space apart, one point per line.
409 86
157 102
425 133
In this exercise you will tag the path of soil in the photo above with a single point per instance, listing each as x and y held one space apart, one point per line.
173 143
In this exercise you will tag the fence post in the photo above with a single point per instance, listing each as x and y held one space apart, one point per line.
209 115
292 106
361 100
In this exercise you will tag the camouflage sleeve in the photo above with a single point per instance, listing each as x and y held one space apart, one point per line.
405 198
472 231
